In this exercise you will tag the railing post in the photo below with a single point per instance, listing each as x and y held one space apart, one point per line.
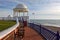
57 35
14 35
40 28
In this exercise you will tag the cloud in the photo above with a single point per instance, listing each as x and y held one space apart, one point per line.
5 12
46 8
8 4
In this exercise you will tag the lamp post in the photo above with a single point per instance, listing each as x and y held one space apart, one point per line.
34 16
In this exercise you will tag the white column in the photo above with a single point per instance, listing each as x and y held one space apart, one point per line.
13 13
19 14
16 14
27 17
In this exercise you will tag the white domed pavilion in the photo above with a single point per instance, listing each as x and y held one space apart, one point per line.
21 8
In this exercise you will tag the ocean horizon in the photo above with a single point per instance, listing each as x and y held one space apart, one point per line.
50 22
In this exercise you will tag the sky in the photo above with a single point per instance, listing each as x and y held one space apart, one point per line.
42 9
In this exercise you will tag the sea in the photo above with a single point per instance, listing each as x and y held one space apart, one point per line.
48 22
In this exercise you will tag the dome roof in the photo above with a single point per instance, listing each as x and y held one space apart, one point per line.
20 6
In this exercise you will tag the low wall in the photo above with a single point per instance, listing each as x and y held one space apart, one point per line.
8 34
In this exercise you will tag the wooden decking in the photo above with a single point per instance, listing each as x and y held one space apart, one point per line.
31 34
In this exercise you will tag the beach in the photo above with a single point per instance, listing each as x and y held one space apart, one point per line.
53 25
52 28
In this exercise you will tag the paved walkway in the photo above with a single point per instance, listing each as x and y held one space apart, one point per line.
30 34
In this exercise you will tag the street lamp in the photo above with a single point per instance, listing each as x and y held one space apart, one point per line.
34 16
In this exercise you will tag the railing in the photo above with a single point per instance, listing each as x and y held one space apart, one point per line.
47 34
9 34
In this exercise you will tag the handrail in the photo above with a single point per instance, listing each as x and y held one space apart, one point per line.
47 34
9 30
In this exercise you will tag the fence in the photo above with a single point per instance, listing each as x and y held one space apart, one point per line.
47 34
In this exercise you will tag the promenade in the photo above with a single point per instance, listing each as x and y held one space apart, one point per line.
30 34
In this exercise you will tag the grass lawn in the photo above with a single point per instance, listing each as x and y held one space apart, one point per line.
6 24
